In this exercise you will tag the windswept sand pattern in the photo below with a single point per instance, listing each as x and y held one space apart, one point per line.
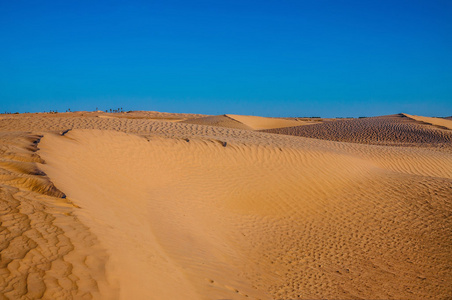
335 226
260 123
224 213
246 122
443 123
43 123
386 130
357 238
18 164
222 121
45 252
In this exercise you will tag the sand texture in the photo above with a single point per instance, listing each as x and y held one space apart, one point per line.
46 252
400 129
445 123
176 206
247 122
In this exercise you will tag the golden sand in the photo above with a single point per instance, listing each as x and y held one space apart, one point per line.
147 205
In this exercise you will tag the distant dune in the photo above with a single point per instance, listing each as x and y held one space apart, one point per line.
403 130
221 121
246 122
148 205
259 123
442 123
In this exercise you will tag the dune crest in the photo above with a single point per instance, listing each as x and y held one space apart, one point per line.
46 252
260 123
221 121
247 122
434 121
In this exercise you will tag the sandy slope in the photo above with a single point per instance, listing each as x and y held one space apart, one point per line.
440 122
222 121
127 204
46 252
175 212
247 122
259 123
386 130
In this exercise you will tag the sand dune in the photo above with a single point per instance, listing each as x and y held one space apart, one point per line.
170 210
259 123
444 123
222 121
247 122
386 130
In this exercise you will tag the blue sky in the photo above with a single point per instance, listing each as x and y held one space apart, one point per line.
271 58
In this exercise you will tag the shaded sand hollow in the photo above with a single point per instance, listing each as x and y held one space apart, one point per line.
162 206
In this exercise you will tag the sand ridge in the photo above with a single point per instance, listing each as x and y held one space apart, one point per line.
260 123
398 130
221 121
247 122
46 252
440 122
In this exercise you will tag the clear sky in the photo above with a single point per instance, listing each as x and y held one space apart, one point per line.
271 58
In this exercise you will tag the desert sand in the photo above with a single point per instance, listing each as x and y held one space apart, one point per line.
149 205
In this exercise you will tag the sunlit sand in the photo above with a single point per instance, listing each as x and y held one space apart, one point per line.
149 205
